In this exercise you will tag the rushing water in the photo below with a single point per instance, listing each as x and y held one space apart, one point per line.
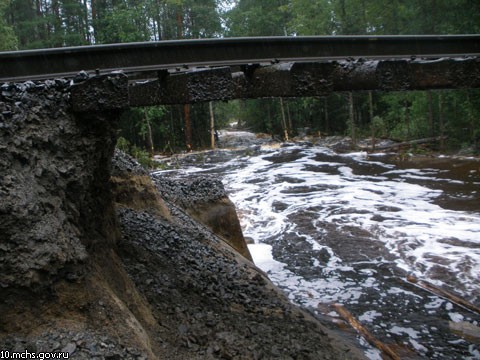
348 229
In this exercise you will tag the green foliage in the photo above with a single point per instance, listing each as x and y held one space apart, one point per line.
227 113
122 25
378 127
311 17
48 23
141 155
258 18
123 144
8 39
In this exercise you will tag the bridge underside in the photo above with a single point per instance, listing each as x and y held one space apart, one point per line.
287 79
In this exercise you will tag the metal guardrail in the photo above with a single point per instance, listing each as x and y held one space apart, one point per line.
148 56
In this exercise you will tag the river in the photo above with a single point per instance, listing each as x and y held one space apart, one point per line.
348 228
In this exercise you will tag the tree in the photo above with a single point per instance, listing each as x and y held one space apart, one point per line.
120 21
310 17
201 19
258 18
8 39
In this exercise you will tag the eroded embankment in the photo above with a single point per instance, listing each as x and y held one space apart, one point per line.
96 264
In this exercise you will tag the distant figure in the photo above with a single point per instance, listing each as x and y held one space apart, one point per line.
217 137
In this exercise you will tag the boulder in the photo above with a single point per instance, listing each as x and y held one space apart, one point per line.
205 199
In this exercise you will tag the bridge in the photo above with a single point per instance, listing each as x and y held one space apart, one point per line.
190 71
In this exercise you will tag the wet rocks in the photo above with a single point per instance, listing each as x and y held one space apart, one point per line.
123 163
81 345
191 191
205 199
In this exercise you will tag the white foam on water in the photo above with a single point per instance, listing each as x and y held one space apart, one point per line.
436 303
369 316
456 317
474 352
399 330
417 232
263 258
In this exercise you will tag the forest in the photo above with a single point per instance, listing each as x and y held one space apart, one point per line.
455 115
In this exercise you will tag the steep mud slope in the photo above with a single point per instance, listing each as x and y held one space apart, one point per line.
63 286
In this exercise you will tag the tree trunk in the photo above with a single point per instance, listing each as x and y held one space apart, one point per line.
471 120
444 294
440 121
407 118
327 125
86 24
188 127
93 6
408 143
172 128
343 16
430 113
290 126
212 126
372 125
352 120
367 335
179 25
149 138
269 119
284 122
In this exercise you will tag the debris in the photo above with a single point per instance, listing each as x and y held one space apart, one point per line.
444 294
346 315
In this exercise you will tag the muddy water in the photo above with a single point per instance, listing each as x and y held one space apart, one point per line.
348 229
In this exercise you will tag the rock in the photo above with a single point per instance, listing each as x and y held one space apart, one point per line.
123 163
69 348
204 198
249 240
221 217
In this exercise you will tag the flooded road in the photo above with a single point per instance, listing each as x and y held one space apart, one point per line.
349 228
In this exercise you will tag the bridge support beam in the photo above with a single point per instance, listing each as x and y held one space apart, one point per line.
307 79
185 88
101 93
112 92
